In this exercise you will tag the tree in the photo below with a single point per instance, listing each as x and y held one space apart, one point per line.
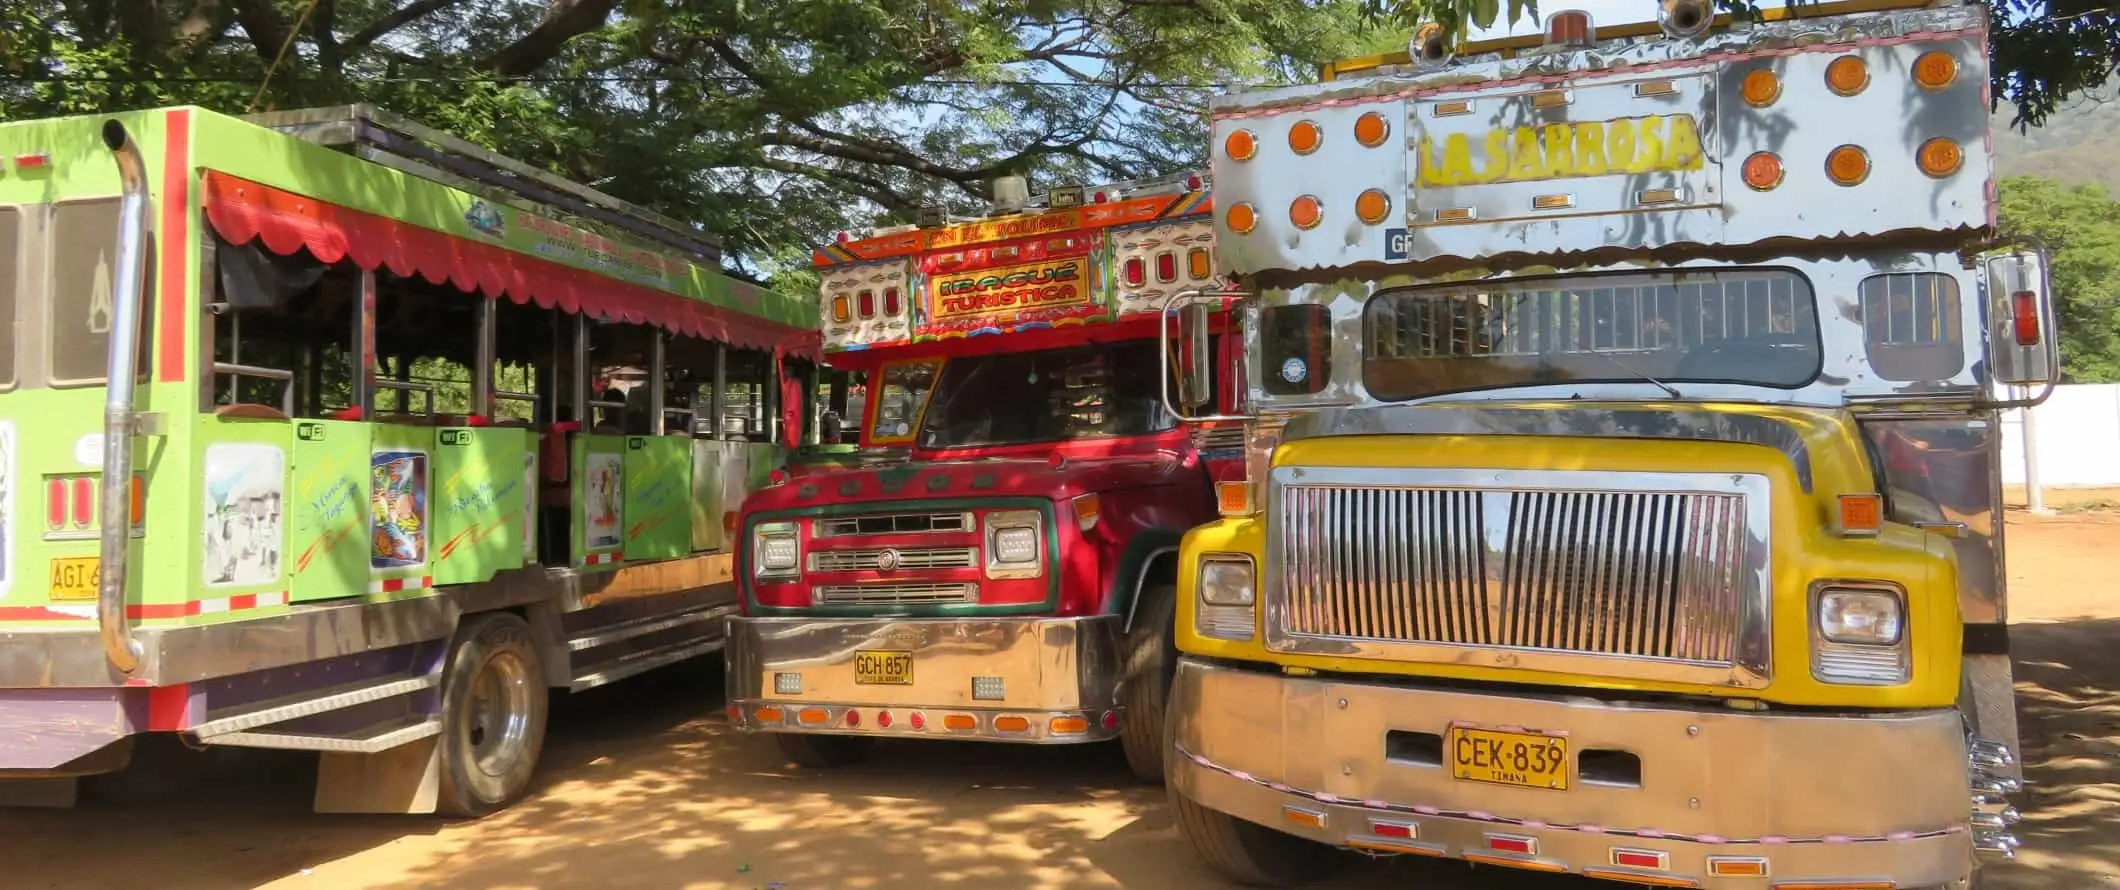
770 123
2080 226
2042 54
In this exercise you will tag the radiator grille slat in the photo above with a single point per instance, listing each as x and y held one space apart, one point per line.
1612 572
872 558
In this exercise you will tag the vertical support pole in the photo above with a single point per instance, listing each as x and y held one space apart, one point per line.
482 375
2034 492
580 382
313 370
364 346
838 396
549 380
769 399
718 402
657 395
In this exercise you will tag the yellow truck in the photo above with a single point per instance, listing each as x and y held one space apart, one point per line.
1621 494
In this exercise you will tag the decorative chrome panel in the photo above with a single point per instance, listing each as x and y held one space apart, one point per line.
888 559
908 594
1147 246
879 325
1631 145
891 524
1652 575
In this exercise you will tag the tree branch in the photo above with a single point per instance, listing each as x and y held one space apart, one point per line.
398 18
263 25
564 21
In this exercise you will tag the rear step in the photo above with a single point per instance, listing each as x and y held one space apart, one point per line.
235 730
593 673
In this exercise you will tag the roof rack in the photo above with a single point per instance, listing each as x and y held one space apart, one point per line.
384 138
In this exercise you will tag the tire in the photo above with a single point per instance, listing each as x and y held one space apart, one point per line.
494 705
1248 853
823 751
1144 686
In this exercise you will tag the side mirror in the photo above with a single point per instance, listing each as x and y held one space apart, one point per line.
1196 363
2020 312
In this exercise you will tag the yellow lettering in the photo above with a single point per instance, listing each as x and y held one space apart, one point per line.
1457 159
1560 150
1590 149
1497 157
1526 161
1619 144
1684 146
1430 173
1649 153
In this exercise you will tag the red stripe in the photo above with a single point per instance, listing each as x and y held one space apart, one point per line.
243 601
174 257
139 611
169 708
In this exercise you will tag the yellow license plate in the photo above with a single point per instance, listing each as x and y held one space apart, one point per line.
1524 759
878 667
76 577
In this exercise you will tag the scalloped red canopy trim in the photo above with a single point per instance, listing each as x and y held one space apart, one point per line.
243 211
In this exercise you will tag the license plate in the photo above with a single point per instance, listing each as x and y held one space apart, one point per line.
1523 759
877 667
76 577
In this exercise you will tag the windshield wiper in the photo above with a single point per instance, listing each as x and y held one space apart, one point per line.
1666 387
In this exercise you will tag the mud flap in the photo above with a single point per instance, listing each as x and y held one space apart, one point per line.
405 780
1993 704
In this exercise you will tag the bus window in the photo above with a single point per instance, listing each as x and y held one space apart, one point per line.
10 278
83 304
1911 326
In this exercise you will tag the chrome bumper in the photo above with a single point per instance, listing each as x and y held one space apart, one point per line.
1039 680
1719 798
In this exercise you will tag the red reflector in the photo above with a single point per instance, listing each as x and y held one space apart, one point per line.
1509 843
1111 720
868 304
853 717
1166 266
883 719
1639 859
1136 272
84 500
1101 198
1193 183
31 161
890 301
919 721
55 502
1398 830
2024 311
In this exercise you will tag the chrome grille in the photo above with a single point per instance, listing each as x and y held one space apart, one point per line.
892 524
1644 571
895 594
873 559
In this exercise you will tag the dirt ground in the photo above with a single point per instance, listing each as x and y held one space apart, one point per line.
644 786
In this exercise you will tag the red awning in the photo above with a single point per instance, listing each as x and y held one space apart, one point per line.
243 211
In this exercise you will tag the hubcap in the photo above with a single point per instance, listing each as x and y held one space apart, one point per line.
500 714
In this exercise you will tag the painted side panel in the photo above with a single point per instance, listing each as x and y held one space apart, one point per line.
478 509
658 515
706 501
599 501
401 509
241 537
329 509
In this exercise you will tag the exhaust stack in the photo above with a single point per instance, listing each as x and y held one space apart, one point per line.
120 372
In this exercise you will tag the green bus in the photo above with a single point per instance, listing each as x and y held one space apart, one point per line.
404 434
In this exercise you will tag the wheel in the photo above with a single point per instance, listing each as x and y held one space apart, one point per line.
1144 686
1248 853
823 751
493 715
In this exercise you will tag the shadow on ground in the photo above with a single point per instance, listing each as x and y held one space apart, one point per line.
2068 693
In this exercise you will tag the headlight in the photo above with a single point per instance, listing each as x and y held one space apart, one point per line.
1859 634
1226 581
1015 543
776 549
1859 616
1018 544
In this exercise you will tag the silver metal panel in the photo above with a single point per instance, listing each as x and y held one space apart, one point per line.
1046 664
1490 103
1894 804
1335 173
1943 470
1993 709
1645 575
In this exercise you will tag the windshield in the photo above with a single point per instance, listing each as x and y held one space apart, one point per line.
1075 393
1755 326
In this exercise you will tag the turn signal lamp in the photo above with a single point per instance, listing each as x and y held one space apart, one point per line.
1861 514
1233 498
959 722
1371 129
813 716
1737 867
1088 508
1940 157
1011 723
1847 75
1848 165
2024 317
1305 137
1240 145
1372 206
1935 70
1761 88
768 714
1763 171
1069 725
1242 219
1306 212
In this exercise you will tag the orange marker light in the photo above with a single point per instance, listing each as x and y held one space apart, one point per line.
1848 165
1070 725
1012 723
1088 508
1305 137
840 310
1935 70
1240 145
959 722
1761 88
1939 157
1847 75
1241 218
1763 171
1371 129
1737 866
139 501
1861 514
1306 212
1233 498
1372 206
768 714
813 716
1198 263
